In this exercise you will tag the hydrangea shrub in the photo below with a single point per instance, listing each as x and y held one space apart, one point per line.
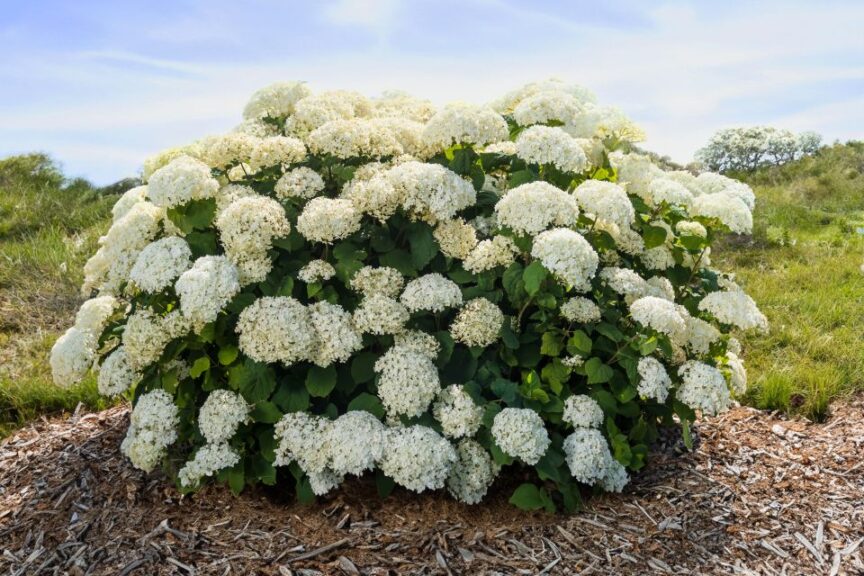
345 286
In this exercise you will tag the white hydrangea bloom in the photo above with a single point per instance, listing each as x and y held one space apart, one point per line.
737 373
247 228
316 271
457 413
116 375
606 201
72 356
374 195
381 280
147 333
430 192
711 183
736 308
456 238
582 310
478 323
699 335
654 382
221 415
180 181
582 411
669 191
276 100
511 100
547 145
355 137
418 341
691 228
471 473
703 387
506 147
206 288
109 268
256 127
356 442
230 193
432 292
336 336
587 455
520 433
317 109
127 200
729 210
379 314
489 254
302 437
327 220
407 381
659 314
324 481
208 460
461 123
95 312
535 206
226 150
152 429
417 458
616 477
567 255
276 151
657 258
546 106
625 282
277 329
300 182
160 263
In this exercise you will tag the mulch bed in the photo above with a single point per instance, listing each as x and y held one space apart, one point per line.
761 495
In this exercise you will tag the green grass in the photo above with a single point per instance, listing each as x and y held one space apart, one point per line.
802 265
48 227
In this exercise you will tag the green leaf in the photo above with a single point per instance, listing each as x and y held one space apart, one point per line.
227 354
521 177
237 478
194 215
201 243
291 398
400 260
266 413
321 381
610 331
368 402
384 484
362 367
423 245
263 470
653 235
511 340
685 431
513 283
551 344
530 497
579 344
287 287
597 371
505 390
533 276
200 366
254 380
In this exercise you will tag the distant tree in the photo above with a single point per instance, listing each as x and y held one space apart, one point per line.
745 149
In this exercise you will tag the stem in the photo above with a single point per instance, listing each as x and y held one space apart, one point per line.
696 265
522 311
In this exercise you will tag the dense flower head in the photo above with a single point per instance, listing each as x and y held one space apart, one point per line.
534 207
568 255
346 284
417 458
520 433
407 381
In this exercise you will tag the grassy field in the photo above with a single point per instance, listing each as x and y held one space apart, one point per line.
802 265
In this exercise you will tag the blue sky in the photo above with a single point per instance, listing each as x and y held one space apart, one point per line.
100 85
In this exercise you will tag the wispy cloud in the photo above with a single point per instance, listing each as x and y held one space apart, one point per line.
161 77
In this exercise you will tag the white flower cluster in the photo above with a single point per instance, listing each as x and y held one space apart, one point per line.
581 411
221 414
591 462
208 460
489 254
654 382
160 263
703 387
301 182
568 255
276 329
182 180
327 220
116 374
247 228
520 433
206 288
153 428
316 271
431 292
407 381
736 308
582 310
478 323
531 208
457 413
545 145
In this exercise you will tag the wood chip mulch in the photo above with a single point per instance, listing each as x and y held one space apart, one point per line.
761 495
